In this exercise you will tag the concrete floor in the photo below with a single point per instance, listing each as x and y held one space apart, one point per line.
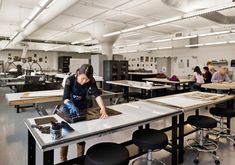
13 139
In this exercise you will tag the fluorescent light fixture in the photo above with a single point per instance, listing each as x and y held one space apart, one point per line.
168 20
24 23
57 47
163 40
231 42
135 44
75 42
194 45
43 3
152 49
112 34
131 51
14 35
214 33
184 37
86 40
208 10
233 31
34 13
119 46
133 28
216 43
167 47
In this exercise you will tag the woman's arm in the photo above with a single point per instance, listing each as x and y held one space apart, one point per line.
100 102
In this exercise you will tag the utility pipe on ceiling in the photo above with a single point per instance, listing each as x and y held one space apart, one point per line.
48 14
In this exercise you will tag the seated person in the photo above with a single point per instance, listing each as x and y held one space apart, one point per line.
211 67
207 75
221 76
19 70
197 76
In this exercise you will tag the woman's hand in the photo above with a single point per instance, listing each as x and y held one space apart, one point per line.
103 114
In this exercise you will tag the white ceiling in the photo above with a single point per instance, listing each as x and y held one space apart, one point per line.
73 23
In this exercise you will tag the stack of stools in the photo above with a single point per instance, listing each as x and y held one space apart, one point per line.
223 132
149 140
201 143
107 154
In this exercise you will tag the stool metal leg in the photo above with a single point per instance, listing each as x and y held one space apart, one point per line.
223 132
201 144
149 160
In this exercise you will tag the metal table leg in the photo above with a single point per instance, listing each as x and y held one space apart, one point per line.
48 157
31 149
181 139
174 141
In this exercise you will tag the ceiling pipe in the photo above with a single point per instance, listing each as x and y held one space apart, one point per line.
196 5
48 14
191 5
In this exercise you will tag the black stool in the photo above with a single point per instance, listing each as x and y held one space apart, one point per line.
200 143
149 139
107 154
223 132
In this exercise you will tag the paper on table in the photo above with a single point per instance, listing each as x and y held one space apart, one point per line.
43 94
180 101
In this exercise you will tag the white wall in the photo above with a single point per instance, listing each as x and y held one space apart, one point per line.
196 56
49 59
49 63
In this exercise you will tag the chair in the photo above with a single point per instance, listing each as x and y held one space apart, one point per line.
107 154
150 140
201 143
223 132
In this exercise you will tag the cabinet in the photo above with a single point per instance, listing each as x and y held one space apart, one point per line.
64 62
114 70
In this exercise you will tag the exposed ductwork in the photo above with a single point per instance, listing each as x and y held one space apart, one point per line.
219 18
194 5
50 13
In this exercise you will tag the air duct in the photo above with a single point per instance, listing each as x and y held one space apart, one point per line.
196 5
47 15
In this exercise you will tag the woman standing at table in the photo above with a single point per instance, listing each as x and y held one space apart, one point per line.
75 100
197 76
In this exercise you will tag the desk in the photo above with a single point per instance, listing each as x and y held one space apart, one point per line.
136 84
36 97
5 80
220 86
138 76
187 102
20 86
166 81
133 115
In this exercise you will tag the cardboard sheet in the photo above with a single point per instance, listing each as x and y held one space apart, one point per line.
182 101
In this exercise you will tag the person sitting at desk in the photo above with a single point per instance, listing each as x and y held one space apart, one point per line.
221 76
207 75
197 76
75 100
211 68
19 70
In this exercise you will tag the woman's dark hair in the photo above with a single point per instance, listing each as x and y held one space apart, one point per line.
198 70
86 69
206 68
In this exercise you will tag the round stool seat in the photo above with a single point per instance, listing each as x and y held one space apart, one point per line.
150 139
107 154
222 112
201 121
